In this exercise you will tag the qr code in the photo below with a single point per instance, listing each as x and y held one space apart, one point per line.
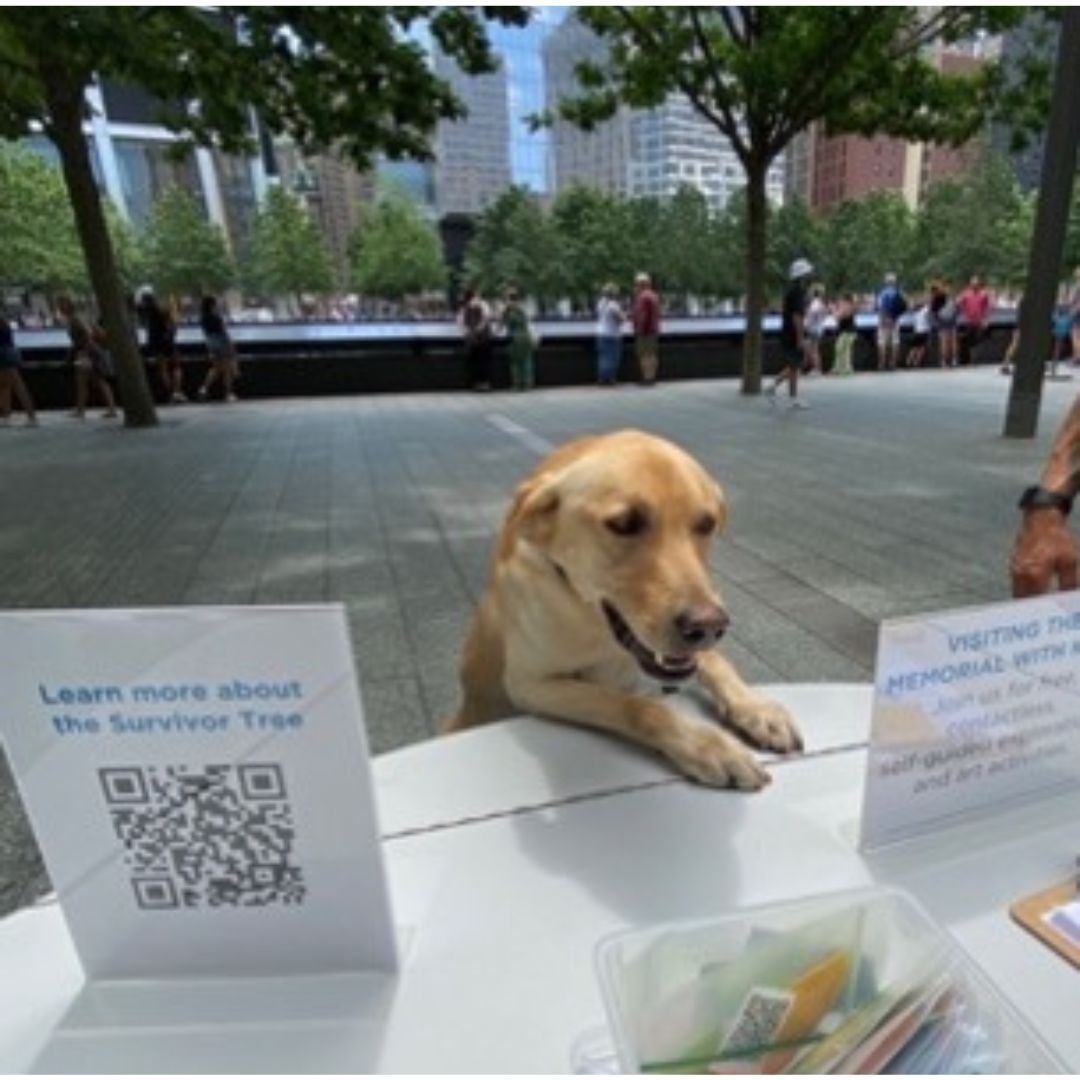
212 836
758 1020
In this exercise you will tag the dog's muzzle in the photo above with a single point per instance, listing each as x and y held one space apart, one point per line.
656 665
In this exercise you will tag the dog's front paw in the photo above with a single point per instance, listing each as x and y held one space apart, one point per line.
715 758
768 725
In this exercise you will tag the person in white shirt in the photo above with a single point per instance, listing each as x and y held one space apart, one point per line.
814 329
917 352
609 326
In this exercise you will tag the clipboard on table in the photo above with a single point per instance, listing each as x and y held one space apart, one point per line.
1053 916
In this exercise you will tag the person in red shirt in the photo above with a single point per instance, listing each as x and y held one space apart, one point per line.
973 307
646 318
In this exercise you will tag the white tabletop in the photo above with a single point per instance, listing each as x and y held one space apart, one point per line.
525 763
499 918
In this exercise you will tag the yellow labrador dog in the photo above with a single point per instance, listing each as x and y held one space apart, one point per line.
600 577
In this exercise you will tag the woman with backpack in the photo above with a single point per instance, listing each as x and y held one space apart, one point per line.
89 358
515 321
944 317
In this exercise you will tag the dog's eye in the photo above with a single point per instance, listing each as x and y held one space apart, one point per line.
705 525
629 523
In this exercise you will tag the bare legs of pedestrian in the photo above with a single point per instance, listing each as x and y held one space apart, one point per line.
11 382
223 371
85 377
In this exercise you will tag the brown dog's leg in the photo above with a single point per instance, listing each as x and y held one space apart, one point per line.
766 723
699 749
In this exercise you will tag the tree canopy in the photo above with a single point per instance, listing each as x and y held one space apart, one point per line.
514 245
185 253
354 78
396 251
287 255
40 243
761 75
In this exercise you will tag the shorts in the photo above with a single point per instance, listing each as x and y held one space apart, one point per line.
792 354
219 347
9 358
888 335
647 344
920 340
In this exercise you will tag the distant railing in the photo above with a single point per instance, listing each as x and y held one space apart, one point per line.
337 334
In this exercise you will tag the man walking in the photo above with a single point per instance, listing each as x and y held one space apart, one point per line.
646 318
890 306
792 333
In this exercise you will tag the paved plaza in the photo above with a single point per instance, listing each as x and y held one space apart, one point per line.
893 494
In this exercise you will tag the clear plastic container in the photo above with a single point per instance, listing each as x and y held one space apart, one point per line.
682 997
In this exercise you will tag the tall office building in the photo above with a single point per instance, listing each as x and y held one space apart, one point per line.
1035 40
132 163
598 158
472 155
333 190
638 152
832 169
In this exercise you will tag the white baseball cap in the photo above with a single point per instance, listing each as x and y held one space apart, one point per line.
800 268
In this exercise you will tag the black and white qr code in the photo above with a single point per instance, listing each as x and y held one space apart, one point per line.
205 837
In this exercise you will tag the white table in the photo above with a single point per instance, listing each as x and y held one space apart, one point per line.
511 851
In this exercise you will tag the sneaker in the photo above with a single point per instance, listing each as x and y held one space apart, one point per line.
231 398
798 403
112 414
179 399
202 393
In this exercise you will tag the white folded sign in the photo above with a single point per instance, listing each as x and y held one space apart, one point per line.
973 710
198 781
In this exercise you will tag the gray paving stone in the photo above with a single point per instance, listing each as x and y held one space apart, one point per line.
889 497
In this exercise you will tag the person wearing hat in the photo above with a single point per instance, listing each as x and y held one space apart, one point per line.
645 314
792 332
890 306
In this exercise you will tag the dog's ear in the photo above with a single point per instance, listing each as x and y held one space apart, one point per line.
721 508
536 503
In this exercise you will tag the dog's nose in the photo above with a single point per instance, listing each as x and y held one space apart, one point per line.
702 624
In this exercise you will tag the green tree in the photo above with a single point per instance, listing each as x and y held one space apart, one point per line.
40 248
396 251
863 241
40 243
760 75
354 77
976 225
287 255
186 254
687 256
596 240
515 245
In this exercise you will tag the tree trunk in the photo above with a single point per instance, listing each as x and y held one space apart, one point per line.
1048 240
757 209
65 101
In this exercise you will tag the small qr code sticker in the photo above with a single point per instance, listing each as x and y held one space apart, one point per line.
205 837
757 1021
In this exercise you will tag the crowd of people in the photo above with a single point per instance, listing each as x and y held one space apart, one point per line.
91 363
482 326
948 329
